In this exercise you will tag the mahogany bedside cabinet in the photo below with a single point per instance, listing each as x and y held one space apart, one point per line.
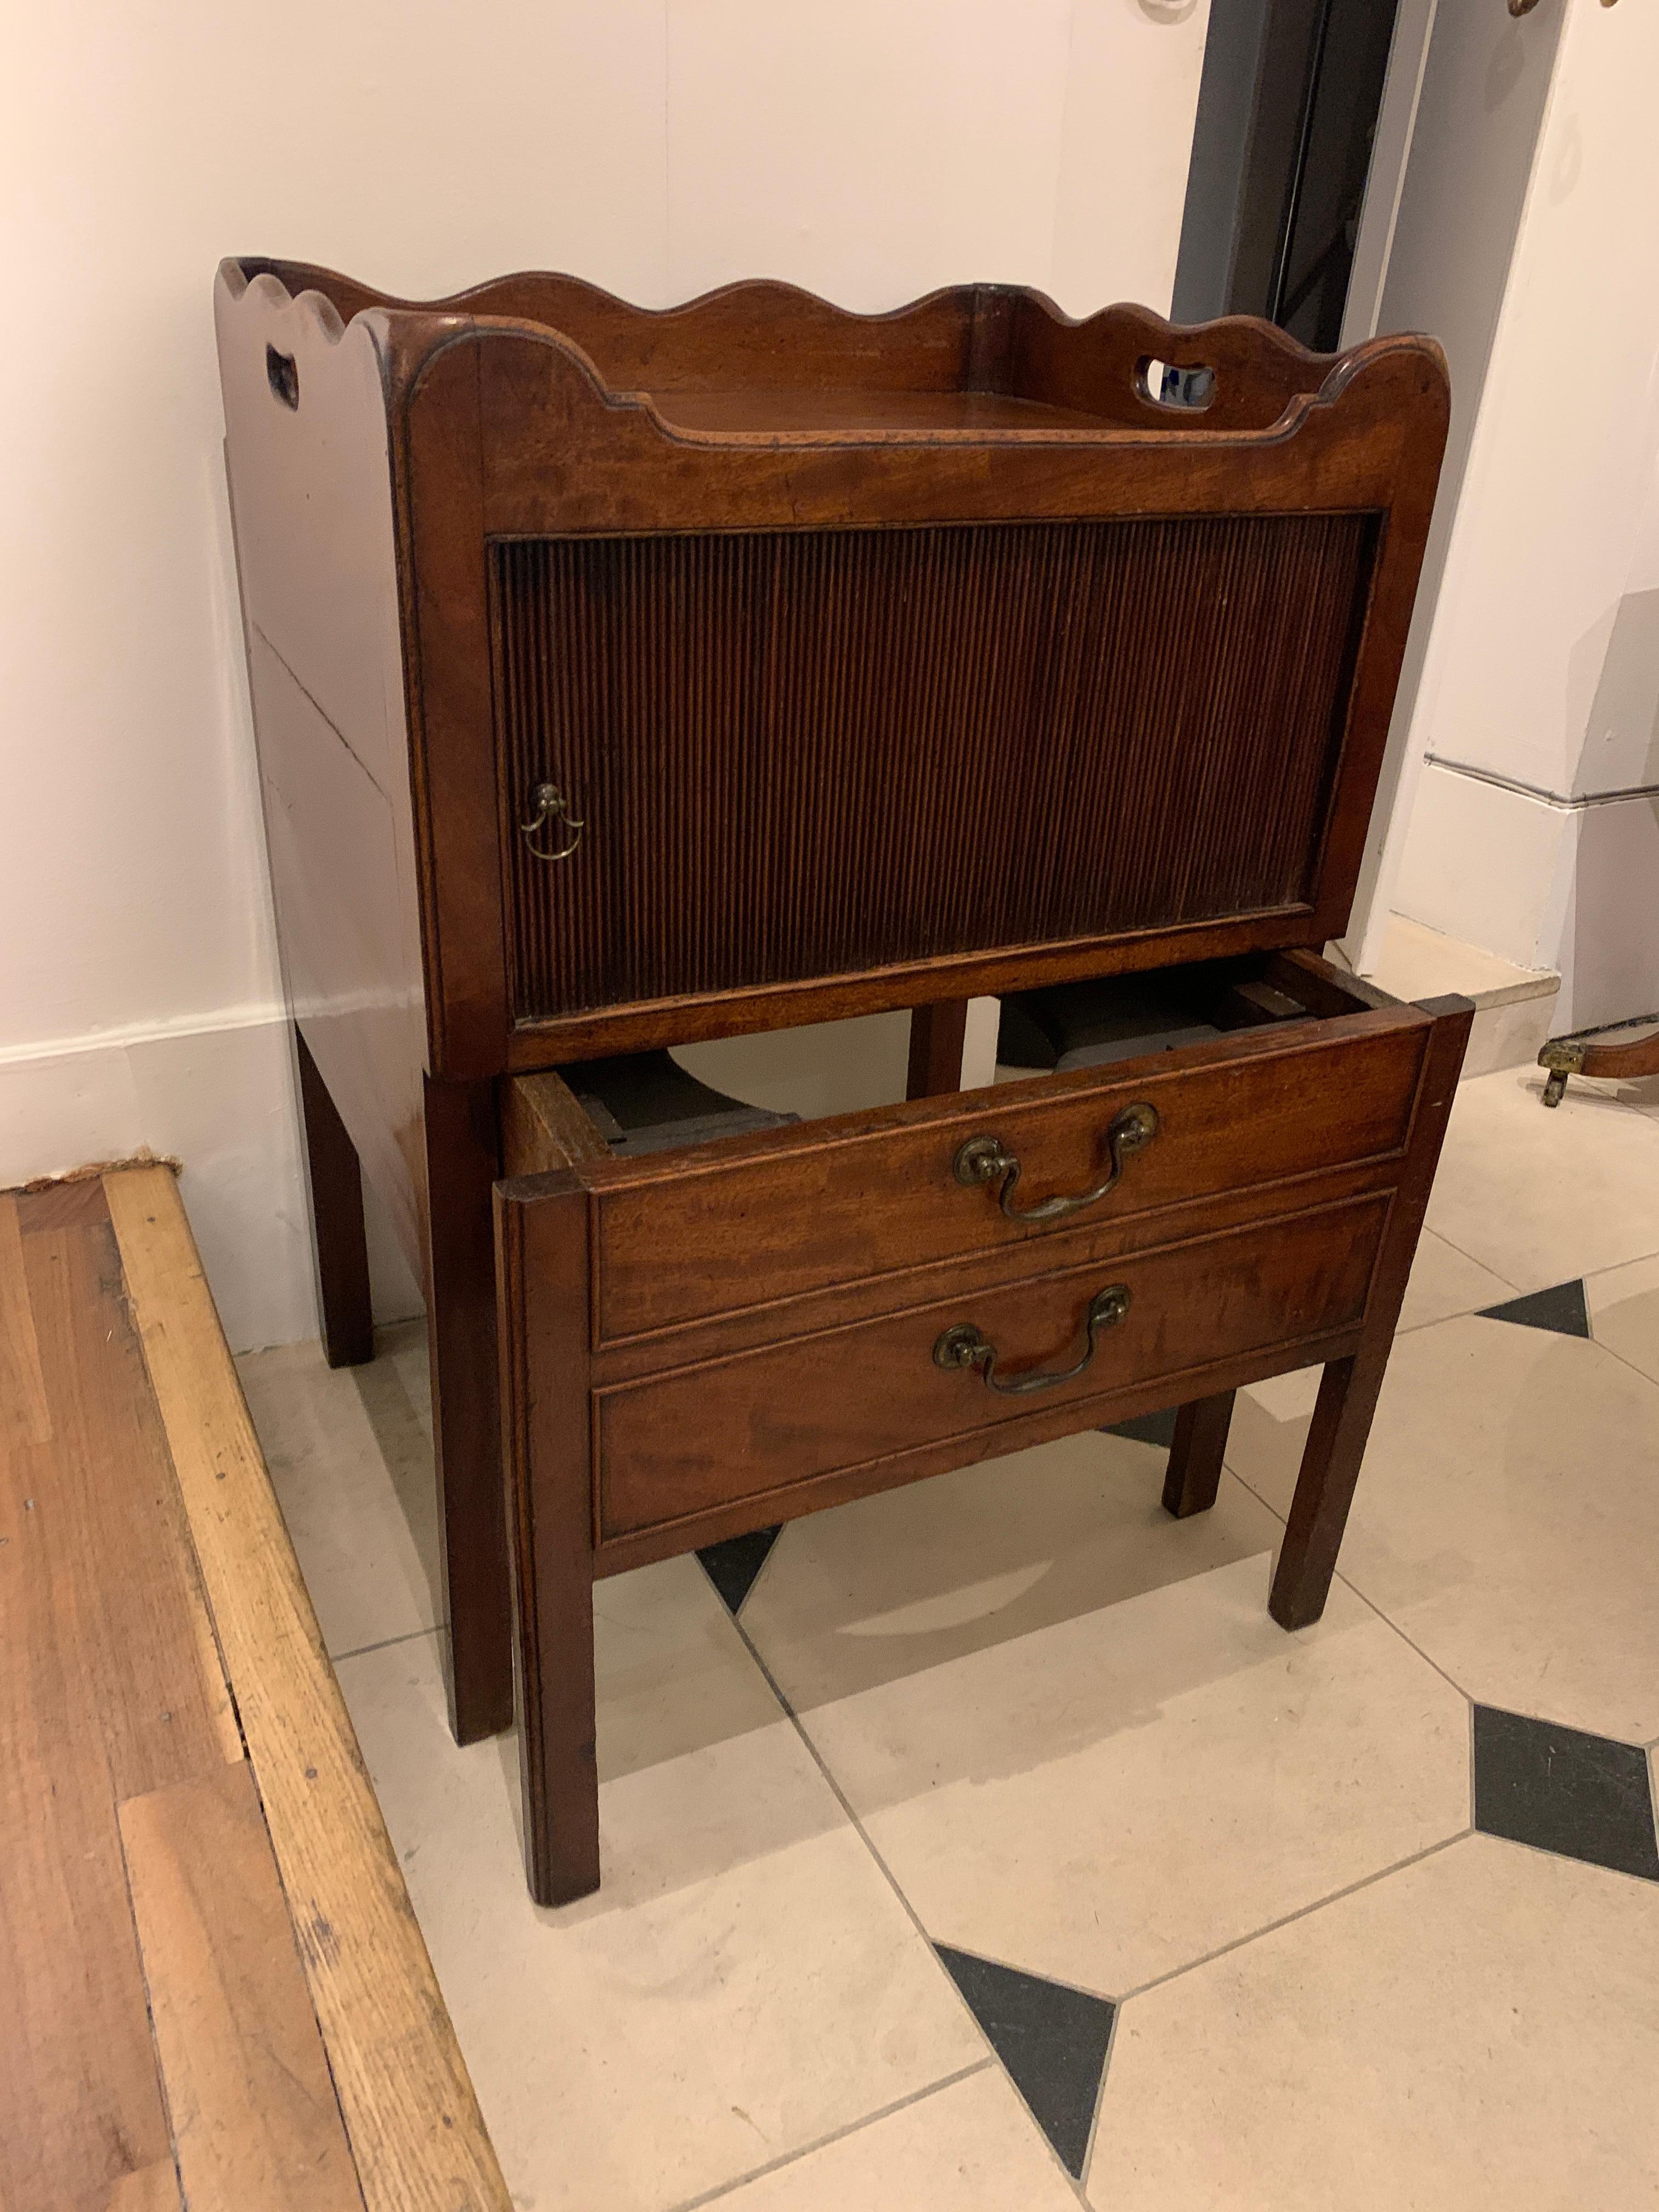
623 679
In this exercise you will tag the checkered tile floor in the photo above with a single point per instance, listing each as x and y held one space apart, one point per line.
985 1845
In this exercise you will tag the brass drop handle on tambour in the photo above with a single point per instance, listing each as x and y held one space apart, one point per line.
982 1159
965 1347
551 805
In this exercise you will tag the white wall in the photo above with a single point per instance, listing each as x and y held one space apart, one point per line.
1534 830
657 146
1457 146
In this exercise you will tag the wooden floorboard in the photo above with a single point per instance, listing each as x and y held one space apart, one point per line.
213 1993
24 1418
253 2110
113 1519
80 2104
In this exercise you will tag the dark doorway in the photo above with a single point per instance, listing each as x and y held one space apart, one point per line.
1286 114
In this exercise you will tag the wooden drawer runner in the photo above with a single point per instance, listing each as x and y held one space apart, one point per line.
716 1230
680 1443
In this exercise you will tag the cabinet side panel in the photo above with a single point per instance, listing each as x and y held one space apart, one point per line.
332 840
310 499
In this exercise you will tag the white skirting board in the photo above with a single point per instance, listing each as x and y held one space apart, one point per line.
1543 882
221 1097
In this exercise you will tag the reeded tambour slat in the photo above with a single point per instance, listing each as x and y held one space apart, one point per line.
803 754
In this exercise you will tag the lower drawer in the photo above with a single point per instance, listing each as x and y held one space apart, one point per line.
687 1441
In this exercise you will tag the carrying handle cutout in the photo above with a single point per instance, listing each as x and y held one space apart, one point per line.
1184 389
282 376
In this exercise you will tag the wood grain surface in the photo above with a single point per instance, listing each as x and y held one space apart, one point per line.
770 1216
403 2088
674 1445
215 1993
254 2117
807 753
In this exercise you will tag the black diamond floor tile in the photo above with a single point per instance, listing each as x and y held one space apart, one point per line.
733 1566
1560 1307
1583 1796
1146 1428
1053 2041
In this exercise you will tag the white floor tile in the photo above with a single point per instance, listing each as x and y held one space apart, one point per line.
349 1452
1475 2033
1506 1518
745 1983
972 2147
1445 1281
1103 1791
1539 1197
1624 1311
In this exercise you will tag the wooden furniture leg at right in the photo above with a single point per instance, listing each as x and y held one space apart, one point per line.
337 1219
1349 1387
542 1287
1193 1474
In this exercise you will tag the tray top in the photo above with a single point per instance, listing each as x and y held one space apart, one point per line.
763 358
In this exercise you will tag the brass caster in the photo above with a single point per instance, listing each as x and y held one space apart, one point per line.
1561 1057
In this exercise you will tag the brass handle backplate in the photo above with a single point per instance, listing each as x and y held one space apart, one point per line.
551 805
965 1347
982 1159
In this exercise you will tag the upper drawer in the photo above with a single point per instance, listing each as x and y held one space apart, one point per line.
686 1237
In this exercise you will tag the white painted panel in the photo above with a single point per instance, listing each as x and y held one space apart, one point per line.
868 151
1621 741
220 1100
1131 98
1562 462
1612 924
1479 110
979 1043
1489 865
63 1110
418 145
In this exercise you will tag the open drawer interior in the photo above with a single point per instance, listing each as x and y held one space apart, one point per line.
637 1104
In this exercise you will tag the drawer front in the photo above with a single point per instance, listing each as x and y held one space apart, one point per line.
686 1442
689 1237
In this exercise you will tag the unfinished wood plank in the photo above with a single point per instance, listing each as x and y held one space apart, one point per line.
82 2117
544 1128
154 2190
256 2127
221 1705
109 1502
409 2107
24 1415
